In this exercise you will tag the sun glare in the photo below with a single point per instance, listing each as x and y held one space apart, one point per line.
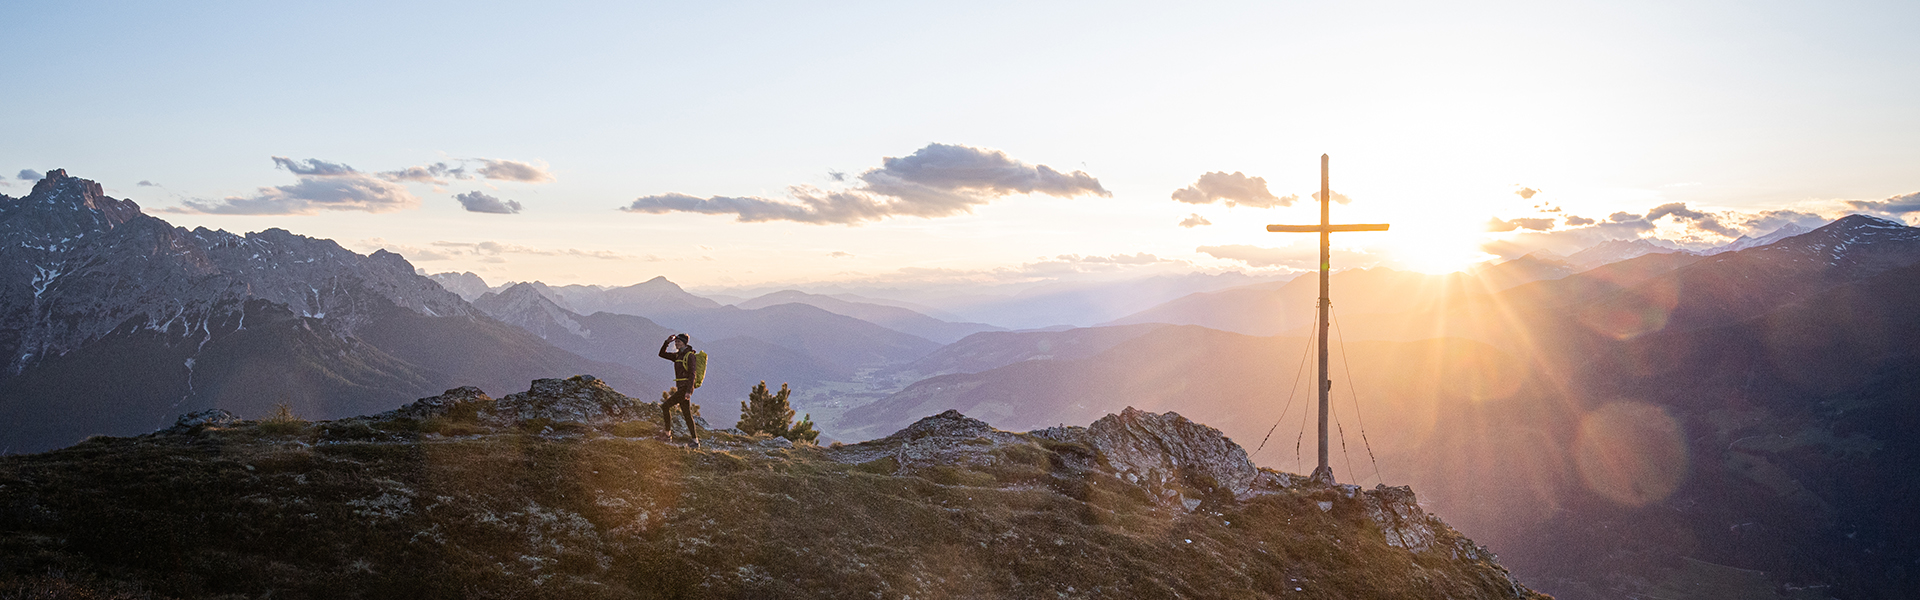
1433 248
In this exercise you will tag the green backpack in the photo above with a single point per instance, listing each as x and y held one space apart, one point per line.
697 364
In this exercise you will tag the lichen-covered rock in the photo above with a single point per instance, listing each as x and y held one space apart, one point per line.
215 417
948 439
446 402
1398 515
580 399
1160 449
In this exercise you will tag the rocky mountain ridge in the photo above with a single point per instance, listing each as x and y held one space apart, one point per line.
189 319
82 264
560 491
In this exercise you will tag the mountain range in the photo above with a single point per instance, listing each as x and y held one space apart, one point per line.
115 321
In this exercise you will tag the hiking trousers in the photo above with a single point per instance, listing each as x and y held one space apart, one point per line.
683 397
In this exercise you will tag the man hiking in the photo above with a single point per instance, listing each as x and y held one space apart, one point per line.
688 367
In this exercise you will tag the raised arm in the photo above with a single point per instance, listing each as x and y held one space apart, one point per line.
663 349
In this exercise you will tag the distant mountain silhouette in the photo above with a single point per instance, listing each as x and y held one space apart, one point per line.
735 362
891 317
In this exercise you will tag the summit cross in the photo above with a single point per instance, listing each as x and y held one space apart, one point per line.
1325 229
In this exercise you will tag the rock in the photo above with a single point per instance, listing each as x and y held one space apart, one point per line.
434 406
215 417
580 399
775 442
1398 515
1164 449
948 439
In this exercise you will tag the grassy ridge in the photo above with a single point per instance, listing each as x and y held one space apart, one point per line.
385 508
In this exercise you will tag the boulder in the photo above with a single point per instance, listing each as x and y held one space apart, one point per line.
580 399
446 402
1162 449
214 417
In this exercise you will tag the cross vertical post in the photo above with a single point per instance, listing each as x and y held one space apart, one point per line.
1324 472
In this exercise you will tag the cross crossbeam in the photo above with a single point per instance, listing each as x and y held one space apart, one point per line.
1324 472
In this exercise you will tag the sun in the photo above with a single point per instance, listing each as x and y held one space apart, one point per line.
1433 248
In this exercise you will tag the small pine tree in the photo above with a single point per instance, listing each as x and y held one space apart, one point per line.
769 413
803 431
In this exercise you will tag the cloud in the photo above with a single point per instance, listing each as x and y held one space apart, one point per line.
30 175
1893 206
1767 221
487 252
1297 256
145 183
1194 220
1582 232
839 254
513 170
1527 193
436 173
936 181
1337 197
323 186
1699 220
1497 225
498 248
482 203
314 167
1235 188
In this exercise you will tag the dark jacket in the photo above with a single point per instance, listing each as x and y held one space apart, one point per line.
682 371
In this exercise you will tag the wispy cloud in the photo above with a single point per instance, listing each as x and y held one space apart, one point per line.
1526 193
935 181
1235 188
1699 220
30 175
1573 221
322 186
1337 197
328 185
145 183
513 170
1296 256
482 203
1194 220
1540 224
487 251
1893 206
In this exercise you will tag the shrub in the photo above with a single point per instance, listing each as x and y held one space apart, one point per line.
282 421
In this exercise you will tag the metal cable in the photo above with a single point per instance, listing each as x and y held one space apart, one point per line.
1354 392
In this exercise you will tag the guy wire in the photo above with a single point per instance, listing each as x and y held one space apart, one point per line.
1354 392
1297 374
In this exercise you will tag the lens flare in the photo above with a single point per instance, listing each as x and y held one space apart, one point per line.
1633 313
1631 453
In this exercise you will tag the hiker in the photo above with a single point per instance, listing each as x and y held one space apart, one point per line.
688 367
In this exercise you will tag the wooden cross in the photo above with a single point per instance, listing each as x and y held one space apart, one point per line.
1323 472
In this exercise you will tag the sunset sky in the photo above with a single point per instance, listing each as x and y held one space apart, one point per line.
982 141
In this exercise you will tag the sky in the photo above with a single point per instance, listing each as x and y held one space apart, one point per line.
732 145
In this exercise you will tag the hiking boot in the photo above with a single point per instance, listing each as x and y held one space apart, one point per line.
694 444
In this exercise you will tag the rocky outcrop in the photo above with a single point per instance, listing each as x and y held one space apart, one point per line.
212 417
577 399
1144 446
